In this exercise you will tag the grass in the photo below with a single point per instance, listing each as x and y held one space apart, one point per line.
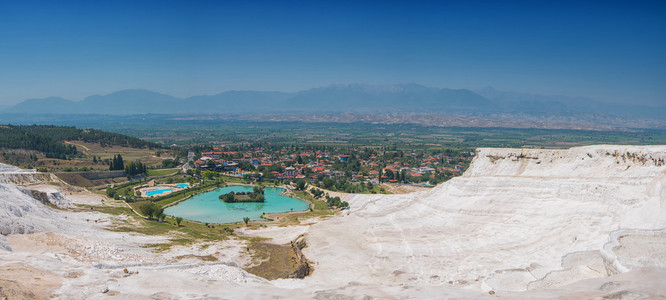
377 190
112 210
270 261
75 179
319 209
275 261
88 150
162 172
192 232
233 179
201 257
189 232
317 203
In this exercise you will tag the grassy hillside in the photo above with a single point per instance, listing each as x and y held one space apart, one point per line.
66 148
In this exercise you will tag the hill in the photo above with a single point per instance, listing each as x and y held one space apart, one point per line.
400 98
52 105
49 139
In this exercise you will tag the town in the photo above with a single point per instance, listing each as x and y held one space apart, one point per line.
352 170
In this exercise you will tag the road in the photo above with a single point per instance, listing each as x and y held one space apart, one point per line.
190 159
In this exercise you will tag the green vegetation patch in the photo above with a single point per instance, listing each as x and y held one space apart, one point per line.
162 172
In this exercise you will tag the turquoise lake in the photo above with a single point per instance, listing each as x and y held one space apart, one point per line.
208 208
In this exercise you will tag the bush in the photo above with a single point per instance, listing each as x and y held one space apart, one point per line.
152 211
300 184
110 192
317 193
258 189
335 202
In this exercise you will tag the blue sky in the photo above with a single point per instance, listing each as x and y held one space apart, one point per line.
610 51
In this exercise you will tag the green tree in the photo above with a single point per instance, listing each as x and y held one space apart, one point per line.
246 220
135 168
300 184
210 164
209 174
159 214
268 175
147 209
178 220
230 197
110 192
117 163
328 183
316 192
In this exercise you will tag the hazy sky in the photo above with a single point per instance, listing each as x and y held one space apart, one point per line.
606 51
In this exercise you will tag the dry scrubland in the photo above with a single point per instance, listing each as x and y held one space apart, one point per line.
586 222
145 155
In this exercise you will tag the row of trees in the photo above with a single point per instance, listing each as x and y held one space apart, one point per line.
117 163
135 168
131 169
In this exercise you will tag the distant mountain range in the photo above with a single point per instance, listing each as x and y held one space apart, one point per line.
357 98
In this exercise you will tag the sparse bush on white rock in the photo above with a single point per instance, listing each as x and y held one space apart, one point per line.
602 162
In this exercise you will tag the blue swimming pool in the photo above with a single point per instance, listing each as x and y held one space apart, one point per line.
158 192
183 185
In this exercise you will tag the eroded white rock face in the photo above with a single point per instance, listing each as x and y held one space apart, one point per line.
5 168
506 223
21 213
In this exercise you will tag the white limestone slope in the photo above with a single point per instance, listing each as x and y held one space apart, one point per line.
47 252
517 219
522 223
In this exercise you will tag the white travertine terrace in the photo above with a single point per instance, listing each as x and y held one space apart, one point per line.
520 223
507 222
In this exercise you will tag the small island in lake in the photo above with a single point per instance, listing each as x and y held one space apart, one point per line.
256 196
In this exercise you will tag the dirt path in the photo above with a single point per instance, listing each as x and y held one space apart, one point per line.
86 151
136 212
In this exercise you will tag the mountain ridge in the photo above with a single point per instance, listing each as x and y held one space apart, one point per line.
409 97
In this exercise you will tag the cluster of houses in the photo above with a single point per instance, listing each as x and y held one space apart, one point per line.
317 164
212 160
